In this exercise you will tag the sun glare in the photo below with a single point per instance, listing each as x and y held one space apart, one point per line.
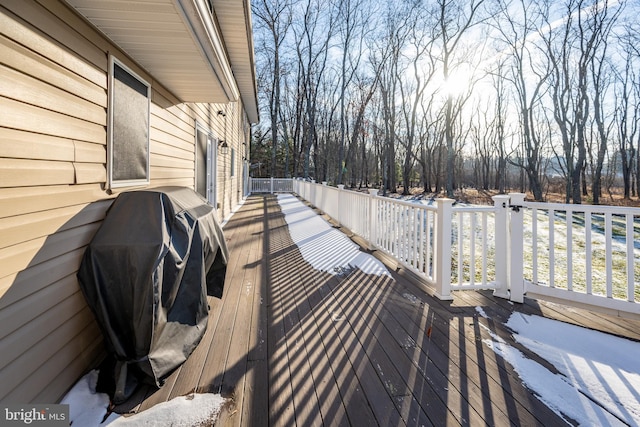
458 83
464 81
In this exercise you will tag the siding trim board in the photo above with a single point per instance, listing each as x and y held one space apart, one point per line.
54 185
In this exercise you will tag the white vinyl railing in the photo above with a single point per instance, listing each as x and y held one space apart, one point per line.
270 185
579 254
584 253
414 234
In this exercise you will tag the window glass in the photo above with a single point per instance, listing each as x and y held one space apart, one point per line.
128 152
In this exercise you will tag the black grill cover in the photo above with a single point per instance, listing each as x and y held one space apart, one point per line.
146 275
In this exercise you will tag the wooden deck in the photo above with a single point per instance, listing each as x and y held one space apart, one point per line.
290 345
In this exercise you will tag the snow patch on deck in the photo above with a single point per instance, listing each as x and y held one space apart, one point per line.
322 246
89 408
599 375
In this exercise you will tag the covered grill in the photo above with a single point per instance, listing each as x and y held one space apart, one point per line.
146 275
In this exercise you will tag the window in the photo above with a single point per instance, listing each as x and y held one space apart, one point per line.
128 127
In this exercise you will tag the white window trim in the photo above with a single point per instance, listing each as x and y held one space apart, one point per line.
132 182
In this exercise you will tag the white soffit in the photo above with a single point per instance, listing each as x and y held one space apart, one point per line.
176 41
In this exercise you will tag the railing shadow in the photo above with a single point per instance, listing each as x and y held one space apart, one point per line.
354 348
359 349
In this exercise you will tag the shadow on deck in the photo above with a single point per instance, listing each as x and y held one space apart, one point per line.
290 345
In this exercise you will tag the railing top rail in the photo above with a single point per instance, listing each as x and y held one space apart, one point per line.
406 203
620 210
474 208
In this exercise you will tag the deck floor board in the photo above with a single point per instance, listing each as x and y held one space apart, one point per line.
289 345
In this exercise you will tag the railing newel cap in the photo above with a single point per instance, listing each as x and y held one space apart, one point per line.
517 197
445 200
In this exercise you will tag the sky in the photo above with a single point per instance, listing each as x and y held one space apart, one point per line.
598 379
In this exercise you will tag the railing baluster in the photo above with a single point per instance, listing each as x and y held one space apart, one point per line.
374 216
608 252
552 248
589 253
460 249
472 267
420 254
386 226
630 259
429 223
569 225
534 244
484 248
414 237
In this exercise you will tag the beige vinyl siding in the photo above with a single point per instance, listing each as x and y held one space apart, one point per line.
53 115
52 138
172 136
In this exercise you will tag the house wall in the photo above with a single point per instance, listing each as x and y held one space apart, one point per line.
53 115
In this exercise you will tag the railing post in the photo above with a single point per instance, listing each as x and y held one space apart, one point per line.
373 215
340 219
271 185
322 202
516 249
501 204
443 249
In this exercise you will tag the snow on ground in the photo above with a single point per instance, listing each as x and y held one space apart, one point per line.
599 379
88 408
321 245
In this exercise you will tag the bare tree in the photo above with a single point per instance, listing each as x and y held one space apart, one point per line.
517 22
423 68
627 101
353 22
484 150
571 49
499 124
275 16
385 57
312 33
455 19
363 93
601 78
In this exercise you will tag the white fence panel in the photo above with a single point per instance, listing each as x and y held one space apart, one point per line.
584 254
473 251
271 185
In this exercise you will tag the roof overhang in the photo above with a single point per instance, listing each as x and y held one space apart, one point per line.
198 54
